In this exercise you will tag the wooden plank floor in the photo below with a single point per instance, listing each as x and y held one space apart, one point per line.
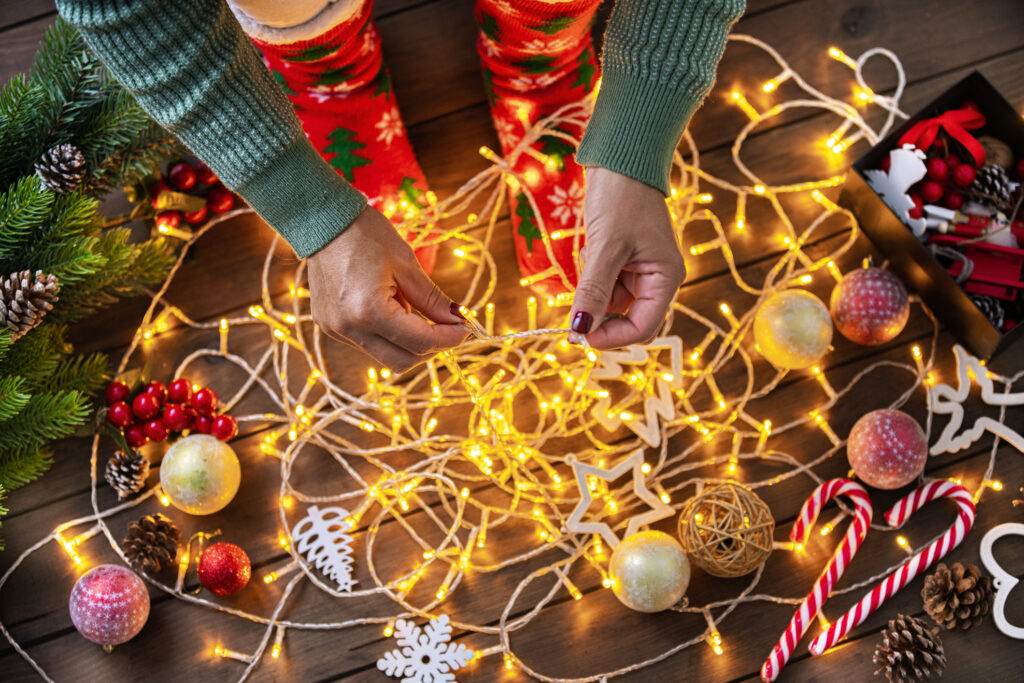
429 48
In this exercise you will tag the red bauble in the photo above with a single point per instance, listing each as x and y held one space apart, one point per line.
205 401
953 200
145 406
180 391
931 191
157 390
918 209
204 175
197 216
220 200
887 449
937 169
224 569
117 391
870 306
109 604
155 189
182 176
135 435
120 415
203 424
176 418
156 430
964 174
171 219
224 427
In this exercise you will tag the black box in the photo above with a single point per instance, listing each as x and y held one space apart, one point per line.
910 259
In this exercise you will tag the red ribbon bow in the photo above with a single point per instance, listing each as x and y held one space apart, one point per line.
956 122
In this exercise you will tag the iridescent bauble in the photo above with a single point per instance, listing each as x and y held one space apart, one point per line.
109 605
224 569
200 474
649 571
887 449
870 306
793 329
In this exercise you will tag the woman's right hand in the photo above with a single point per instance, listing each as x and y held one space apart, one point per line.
364 288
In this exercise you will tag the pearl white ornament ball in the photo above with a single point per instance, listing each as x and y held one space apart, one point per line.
649 571
200 474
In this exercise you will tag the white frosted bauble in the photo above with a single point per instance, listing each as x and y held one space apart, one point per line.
200 474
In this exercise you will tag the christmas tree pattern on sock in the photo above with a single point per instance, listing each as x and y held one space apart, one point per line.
536 58
342 93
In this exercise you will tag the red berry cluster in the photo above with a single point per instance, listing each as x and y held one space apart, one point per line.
183 177
158 411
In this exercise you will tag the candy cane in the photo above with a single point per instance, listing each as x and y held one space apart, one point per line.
811 605
913 566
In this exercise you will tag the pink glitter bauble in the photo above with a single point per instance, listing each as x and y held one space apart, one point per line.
109 604
870 306
887 449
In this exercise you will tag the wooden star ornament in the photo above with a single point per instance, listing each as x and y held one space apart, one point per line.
659 509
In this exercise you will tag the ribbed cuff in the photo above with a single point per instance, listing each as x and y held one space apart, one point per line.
303 198
635 128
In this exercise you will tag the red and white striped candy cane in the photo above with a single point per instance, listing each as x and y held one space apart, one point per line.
913 566
811 605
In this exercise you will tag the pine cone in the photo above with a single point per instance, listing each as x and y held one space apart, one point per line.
991 307
151 543
61 168
957 597
127 472
25 299
910 651
993 181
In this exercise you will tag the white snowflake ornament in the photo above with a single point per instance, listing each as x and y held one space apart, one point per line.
425 655
321 537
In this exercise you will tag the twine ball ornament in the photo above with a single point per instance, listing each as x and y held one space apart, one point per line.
727 530
793 329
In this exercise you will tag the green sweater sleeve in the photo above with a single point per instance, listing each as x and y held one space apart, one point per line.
659 63
193 69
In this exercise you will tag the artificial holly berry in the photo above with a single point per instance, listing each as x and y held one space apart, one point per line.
180 391
224 427
157 390
204 175
117 391
156 430
155 189
937 169
220 200
886 163
970 104
176 417
953 160
197 216
931 191
145 406
1020 168
205 401
953 200
168 219
224 568
182 176
964 174
918 209
119 414
135 435
203 424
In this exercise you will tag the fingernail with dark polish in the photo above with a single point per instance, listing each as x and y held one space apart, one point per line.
582 321
454 309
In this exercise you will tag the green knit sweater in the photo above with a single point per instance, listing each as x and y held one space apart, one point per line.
191 66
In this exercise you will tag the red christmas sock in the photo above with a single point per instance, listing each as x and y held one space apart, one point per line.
537 57
342 93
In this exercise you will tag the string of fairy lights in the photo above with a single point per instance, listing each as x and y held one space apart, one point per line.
490 420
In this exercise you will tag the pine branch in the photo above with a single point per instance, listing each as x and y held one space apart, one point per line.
23 207
12 397
84 373
36 355
45 417
21 466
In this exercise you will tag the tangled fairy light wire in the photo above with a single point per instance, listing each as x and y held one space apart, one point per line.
498 422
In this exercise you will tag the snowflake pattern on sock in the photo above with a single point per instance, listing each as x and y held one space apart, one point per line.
425 655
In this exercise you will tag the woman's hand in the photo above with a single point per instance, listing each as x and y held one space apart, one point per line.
631 262
364 286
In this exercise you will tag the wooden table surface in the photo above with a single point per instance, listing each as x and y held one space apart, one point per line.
429 48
